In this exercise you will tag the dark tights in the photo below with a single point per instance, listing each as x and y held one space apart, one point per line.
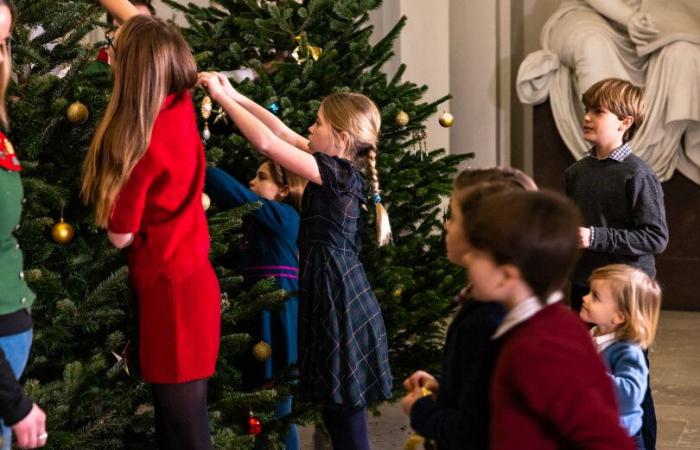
182 419
347 427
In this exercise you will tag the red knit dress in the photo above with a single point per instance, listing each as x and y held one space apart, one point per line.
176 287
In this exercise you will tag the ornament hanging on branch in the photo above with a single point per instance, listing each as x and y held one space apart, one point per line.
122 361
206 201
304 50
255 425
77 113
205 110
273 107
446 119
62 232
419 145
262 351
401 118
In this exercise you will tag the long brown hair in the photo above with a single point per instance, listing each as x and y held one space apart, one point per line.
283 177
151 60
358 116
6 67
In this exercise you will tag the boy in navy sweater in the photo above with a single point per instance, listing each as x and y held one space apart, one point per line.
458 416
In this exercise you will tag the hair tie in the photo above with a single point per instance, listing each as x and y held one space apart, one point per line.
376 198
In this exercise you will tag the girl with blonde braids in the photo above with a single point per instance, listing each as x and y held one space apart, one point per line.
343 353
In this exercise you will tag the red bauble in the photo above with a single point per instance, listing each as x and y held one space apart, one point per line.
254 426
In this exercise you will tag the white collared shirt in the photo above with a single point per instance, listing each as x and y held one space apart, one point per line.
604 341
523 311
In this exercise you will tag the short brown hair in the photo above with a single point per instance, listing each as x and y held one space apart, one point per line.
621 98
638 298
507 175
535 231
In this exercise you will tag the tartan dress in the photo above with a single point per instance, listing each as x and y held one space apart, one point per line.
343 350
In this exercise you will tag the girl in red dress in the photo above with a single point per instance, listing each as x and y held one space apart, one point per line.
144 173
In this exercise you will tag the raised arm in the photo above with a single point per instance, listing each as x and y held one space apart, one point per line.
273 122
122 10
263 139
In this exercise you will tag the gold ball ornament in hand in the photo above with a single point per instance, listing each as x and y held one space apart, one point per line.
262 351
62 232
402 118
446 119
206 201
77 113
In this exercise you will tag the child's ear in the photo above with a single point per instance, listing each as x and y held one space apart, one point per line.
284 192
511 272
618 318
344 140
627 122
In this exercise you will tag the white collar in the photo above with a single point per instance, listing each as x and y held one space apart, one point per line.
604 341
523 311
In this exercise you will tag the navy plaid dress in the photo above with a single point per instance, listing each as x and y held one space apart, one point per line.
342 341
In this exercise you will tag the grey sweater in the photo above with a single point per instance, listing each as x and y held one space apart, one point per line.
624 202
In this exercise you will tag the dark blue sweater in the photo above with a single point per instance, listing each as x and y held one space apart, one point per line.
624 202
459 419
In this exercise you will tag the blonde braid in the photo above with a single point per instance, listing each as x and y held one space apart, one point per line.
382 217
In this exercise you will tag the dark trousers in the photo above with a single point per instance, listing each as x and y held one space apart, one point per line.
649 418
347 427
181 416
648 431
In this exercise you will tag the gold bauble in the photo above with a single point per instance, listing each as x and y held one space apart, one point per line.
402 118
397 292
206 201
262 351
77 113
446 119
62 232
414 442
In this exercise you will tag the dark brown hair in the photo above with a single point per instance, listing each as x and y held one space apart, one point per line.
282 177
621 98
537 232
507 175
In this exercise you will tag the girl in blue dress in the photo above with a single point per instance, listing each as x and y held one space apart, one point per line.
343 353
269 249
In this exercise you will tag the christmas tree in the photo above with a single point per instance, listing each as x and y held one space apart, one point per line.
83 367
301 51
83 363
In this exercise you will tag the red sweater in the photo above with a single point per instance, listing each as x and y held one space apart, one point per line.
550 389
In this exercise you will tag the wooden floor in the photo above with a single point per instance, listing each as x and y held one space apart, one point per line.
675 373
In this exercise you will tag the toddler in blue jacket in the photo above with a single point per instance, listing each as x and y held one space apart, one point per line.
624 304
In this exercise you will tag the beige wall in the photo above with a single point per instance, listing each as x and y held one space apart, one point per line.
423 47
479 52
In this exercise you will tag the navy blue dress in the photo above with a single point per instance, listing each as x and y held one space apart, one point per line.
270 250
343 350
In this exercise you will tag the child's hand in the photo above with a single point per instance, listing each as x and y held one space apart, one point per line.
212 83
228 88
421 379
584 237
409 399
